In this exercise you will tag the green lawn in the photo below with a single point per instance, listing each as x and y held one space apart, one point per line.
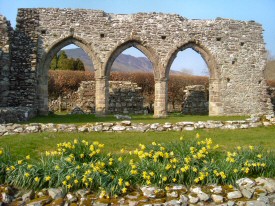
34 144
172 118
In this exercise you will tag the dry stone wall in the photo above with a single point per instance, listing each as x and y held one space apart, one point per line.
128 126
125 98
233 50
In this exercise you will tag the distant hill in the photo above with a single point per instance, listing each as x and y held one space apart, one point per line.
123 63
270 70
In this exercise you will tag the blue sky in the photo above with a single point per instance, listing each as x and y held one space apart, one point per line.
262 11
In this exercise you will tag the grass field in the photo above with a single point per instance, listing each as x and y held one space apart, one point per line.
34 144
172 118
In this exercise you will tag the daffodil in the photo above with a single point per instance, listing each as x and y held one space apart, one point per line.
47 178
120 181
196 180
260 156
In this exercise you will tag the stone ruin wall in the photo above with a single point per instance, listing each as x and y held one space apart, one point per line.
234 51
5 59
195 101
237 48
125 98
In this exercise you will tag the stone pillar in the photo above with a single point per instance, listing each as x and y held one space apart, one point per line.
101 96
161 98
215 105
43 96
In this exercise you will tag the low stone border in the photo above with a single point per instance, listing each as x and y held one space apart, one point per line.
127 125
249 192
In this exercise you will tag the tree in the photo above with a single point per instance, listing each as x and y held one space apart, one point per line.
67 64
62 62
78 65
54 62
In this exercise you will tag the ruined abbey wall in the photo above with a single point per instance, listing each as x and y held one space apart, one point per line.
125 98
233 50
5 60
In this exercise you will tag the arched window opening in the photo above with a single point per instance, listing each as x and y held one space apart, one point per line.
131 83
71 86
188 90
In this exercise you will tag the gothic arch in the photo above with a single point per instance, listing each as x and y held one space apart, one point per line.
200 49
149 53
44 65
215 104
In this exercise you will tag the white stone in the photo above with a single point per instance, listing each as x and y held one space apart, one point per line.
216 189
188 128
267 183
82 129
203 196
193 199
245 182
217 198
154 126
173 194
126 123
234 195
149 191
118 128
32 129
55 193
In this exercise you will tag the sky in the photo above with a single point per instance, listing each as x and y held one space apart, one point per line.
261 11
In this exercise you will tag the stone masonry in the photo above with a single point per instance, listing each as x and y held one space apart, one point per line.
5 40
195 100
233 50
125 98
